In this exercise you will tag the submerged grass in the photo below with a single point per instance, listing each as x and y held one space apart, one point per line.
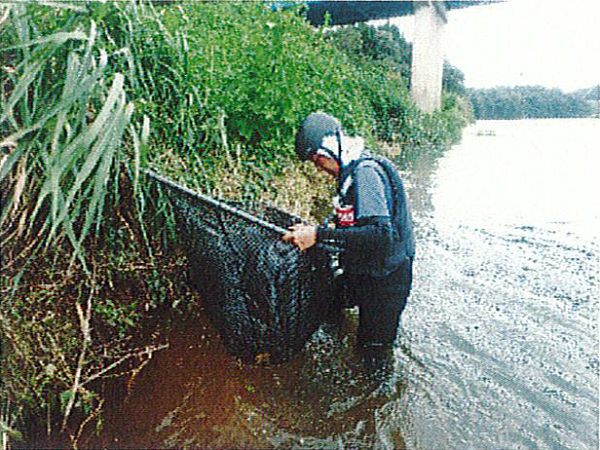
208 94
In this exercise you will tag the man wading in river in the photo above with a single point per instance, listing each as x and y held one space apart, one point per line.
372 225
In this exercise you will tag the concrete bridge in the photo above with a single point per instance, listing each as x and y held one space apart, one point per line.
427 53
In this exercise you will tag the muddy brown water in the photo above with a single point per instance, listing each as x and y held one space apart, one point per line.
499 342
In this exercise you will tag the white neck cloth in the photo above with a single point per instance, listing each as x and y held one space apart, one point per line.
352 148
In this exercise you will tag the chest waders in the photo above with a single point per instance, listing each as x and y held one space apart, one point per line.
381 297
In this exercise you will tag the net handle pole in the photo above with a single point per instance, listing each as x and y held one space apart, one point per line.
217 203
231 209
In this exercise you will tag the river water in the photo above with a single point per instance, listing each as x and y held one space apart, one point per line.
499 342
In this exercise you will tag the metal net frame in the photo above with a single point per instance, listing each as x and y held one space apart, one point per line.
264 296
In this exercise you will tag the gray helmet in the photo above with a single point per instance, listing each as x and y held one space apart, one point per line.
312 131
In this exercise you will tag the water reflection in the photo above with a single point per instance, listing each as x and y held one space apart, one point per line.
197 396
505 308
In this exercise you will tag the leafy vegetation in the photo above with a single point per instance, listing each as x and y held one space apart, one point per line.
529 102
207 93
224 79
62 138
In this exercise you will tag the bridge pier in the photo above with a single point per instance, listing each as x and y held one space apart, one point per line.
428 55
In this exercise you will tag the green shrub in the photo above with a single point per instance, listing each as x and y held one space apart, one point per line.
218 74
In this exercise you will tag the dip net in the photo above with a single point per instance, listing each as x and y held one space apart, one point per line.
264 296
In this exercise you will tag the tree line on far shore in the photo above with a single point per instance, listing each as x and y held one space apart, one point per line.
533 102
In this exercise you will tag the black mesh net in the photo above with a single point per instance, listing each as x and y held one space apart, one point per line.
263 295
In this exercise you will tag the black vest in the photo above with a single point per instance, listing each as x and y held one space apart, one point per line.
403 246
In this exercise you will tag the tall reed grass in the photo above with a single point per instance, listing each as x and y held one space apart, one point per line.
64 116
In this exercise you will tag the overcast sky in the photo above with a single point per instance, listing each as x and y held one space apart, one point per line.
524 42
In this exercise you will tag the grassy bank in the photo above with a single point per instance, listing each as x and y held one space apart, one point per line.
209 94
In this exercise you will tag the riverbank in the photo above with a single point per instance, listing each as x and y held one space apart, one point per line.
95 92
67 337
